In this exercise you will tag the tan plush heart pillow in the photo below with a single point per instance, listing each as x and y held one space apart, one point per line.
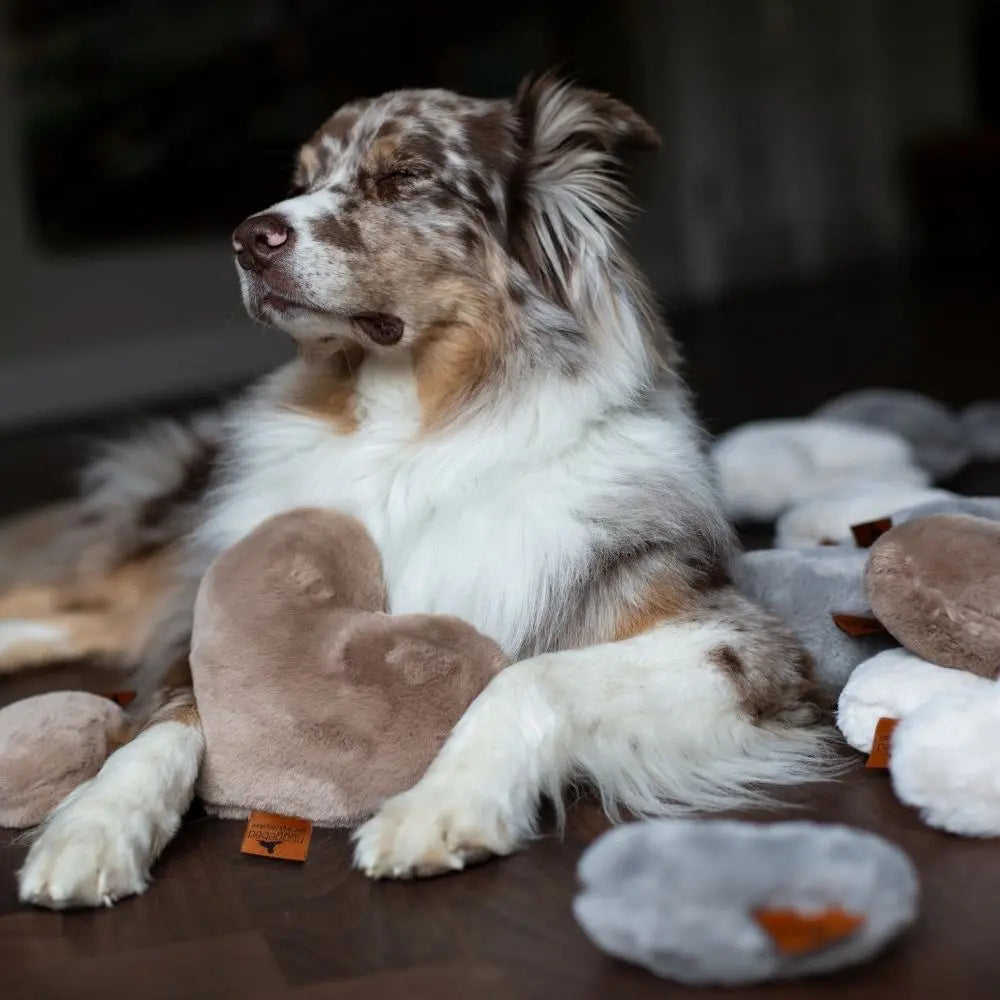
50 744
934 583
314 701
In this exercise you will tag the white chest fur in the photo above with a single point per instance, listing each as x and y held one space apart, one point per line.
470 523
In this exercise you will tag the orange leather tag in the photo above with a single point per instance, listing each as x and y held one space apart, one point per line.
855 625
879 757
122 698
796 933
270 835
867 533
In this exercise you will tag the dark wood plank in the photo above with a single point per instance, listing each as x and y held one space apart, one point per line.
430 982
230 965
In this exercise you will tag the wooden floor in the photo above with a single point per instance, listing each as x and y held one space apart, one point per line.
217 923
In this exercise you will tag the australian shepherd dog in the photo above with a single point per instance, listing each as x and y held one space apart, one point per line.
483 381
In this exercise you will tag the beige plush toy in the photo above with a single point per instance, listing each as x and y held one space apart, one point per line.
314 701
49 744
934 583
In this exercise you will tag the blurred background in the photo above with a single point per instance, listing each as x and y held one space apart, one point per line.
824 213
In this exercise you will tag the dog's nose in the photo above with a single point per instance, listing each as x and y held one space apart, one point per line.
261 238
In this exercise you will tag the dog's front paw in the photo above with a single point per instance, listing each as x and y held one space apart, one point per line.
427 832
85 857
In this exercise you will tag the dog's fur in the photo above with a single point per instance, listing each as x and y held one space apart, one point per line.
520 453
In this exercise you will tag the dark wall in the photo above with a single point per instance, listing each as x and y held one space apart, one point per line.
149 121
803 142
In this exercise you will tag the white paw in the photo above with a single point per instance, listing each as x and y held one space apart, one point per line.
88 854
426 831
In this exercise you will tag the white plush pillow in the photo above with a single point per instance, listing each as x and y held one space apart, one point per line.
827 518
766 466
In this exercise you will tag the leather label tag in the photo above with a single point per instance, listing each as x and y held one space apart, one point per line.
881 742
270 835
868 533
856 625
798 933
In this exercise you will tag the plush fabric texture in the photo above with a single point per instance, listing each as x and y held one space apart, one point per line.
939 440
826 519
678 896
988 507
981 423
934 583
945 760
314 702
766 466
805 587
893 685
49 744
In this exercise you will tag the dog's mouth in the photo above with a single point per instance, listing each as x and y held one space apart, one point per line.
282 303
380 328
383 329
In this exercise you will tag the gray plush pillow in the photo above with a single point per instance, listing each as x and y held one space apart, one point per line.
940 442
981 422
988 507
679 896
805 588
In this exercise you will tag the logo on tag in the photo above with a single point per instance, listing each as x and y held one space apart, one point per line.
270 835
881 742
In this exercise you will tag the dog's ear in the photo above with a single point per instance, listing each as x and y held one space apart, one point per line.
568 198
555 114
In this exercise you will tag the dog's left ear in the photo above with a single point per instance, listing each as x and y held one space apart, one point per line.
568 200
554 114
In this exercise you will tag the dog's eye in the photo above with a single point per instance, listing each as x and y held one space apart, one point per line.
296 190
399 175
393 181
